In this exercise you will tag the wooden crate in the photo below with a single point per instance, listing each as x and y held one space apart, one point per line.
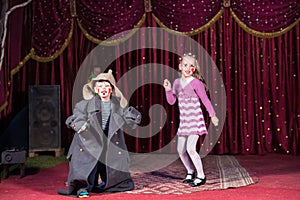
35 152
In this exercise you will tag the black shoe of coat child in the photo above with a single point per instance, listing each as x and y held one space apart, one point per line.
99 188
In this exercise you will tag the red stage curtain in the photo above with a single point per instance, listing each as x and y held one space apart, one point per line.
266 16
258 61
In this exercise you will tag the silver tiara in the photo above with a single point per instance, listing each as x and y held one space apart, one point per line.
188 54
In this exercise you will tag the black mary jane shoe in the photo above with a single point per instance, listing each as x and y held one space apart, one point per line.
189 180
203 181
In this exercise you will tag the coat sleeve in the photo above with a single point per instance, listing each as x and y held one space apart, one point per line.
79 119
132 117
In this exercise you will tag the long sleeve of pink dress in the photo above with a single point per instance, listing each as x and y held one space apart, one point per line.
191 116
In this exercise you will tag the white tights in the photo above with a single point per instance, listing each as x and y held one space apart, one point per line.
186 148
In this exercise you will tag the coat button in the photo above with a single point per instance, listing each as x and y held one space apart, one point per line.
120 153
117 142
81 149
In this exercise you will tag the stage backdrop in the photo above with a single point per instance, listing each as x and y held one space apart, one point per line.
255 45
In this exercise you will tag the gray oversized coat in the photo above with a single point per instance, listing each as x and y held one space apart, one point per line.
89 144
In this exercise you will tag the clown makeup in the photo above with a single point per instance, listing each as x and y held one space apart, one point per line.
103 89
187 66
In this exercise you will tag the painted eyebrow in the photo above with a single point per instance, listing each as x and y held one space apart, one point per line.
101 83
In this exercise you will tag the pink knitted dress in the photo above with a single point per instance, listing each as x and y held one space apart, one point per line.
191 117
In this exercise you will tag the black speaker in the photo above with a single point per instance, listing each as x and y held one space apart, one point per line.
44 117
13 157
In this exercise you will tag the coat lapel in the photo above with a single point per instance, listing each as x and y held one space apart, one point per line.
94 110
116 121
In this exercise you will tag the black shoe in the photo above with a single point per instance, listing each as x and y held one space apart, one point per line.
99 188
189 180
203 181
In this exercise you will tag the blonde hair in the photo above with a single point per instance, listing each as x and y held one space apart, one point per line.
194 62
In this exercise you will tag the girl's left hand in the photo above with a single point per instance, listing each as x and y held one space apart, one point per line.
215 120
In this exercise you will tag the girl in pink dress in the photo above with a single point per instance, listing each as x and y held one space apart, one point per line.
189 90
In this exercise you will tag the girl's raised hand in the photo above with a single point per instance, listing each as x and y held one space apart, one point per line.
167 85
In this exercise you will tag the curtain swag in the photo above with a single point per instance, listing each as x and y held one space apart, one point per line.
58 52
100 21
259 33
193 32
36 55
113 41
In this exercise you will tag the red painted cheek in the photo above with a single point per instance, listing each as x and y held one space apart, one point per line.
109 90
193 69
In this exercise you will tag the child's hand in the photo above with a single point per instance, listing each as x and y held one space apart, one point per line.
167 85
215 120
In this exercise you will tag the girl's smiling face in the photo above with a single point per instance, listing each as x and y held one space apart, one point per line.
103 89
187 66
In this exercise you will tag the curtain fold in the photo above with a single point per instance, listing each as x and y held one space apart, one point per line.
15 53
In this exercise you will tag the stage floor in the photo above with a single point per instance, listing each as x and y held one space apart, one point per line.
278 178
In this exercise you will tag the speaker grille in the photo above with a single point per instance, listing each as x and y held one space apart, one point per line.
44 117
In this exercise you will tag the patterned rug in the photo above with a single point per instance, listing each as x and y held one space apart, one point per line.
222 172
